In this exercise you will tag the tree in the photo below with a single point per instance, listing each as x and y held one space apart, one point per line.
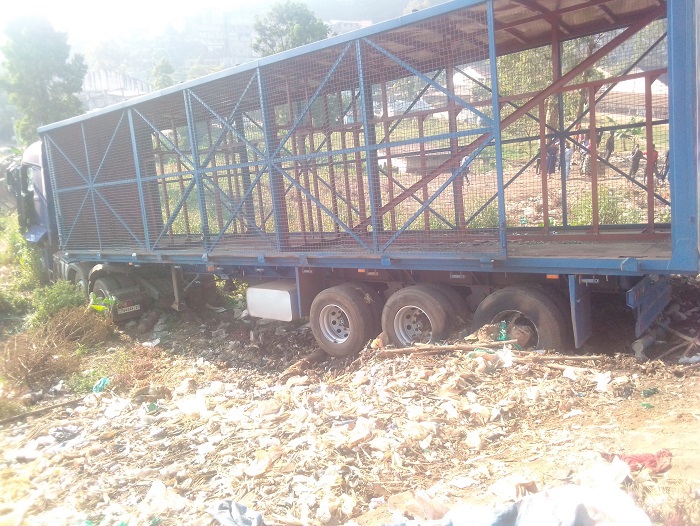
161 74
288 25
40 76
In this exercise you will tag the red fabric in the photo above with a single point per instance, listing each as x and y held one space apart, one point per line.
656 463
652 157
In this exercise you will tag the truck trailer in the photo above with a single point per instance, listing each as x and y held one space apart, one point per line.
500 158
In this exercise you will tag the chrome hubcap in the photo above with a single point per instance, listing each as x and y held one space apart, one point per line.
335 326
412 325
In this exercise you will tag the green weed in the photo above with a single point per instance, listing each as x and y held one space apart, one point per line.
84 381
50 300
612 210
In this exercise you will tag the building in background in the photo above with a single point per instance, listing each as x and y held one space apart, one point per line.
102 88
338 27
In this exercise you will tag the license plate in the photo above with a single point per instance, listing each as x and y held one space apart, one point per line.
124 310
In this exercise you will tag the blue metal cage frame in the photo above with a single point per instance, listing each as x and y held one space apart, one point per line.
232 169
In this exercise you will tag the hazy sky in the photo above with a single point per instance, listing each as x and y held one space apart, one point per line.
87 20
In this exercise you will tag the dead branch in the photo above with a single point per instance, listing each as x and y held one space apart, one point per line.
302 365
682 336
674 348
539 358
433 349
38 411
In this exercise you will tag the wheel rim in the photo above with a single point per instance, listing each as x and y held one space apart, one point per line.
515 318
412 325
334 325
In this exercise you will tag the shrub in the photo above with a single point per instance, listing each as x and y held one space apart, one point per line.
49 301
37 357
9 408
26 260
34 359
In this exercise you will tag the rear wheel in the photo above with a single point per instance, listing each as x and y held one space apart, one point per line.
526 311
340 320
416 314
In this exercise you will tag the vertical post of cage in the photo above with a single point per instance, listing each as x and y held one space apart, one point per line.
458 184
651 166
370 137
544 163
496 123
197 169
137 168
242 152
563 138
683 54
181 182
279 205
593 160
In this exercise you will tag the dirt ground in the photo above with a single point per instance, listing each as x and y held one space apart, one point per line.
229 410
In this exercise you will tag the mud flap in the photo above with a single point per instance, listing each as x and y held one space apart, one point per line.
580 300
648 298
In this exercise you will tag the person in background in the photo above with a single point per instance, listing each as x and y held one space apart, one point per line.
652 157
635 158
609 146
552 152
663 174
567 160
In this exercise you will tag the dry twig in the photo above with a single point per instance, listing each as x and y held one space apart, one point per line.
432 349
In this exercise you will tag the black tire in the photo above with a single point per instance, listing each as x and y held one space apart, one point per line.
530 306
416 314
340 321
373 300
562 304
457 304
82 283
104 287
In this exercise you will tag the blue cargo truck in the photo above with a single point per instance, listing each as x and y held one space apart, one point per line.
506 159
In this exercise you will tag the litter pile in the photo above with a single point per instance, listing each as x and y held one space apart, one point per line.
384 438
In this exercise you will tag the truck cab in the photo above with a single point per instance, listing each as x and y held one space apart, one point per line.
28 183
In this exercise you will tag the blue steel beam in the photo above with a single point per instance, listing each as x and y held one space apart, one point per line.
137 169
683 22
278 203
449 261
370 140
196 171
496 125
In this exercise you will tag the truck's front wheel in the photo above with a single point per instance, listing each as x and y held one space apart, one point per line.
104 287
